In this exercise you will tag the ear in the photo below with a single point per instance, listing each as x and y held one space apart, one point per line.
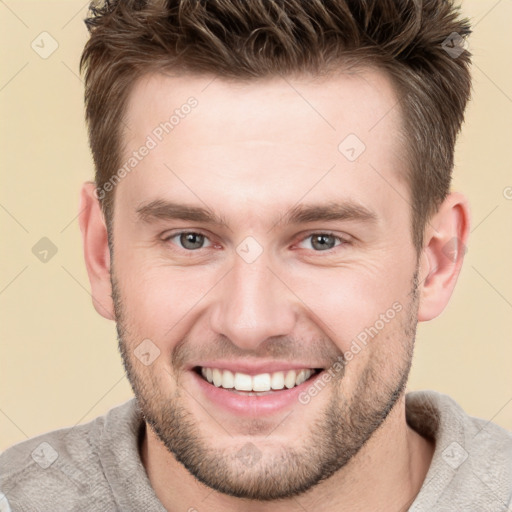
446 237
96 251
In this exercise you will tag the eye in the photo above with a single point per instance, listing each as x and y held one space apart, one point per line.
323 241
189 240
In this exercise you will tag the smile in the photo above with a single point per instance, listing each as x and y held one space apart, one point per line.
238 381
252 388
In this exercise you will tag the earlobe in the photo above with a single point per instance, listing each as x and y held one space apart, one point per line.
446 238
96 250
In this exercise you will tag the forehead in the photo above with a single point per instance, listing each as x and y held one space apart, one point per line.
268 138
333 104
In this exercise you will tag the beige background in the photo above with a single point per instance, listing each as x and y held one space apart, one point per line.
58 357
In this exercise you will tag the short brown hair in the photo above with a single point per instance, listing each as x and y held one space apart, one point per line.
417 42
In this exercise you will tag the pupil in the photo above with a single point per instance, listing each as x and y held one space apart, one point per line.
323 245
191 240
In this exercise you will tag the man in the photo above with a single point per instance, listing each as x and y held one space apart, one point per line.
271 217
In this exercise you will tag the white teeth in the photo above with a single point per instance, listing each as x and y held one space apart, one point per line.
290 379
243 382
277 381
302 376
262 382
217 377
228 379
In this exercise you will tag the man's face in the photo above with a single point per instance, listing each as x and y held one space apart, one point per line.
265 290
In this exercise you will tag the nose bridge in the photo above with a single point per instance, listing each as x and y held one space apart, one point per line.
252 305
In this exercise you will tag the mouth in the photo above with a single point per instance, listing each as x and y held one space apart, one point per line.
256 385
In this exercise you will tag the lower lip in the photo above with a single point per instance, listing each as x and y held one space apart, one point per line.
252 405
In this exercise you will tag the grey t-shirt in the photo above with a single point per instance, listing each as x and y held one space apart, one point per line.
96 466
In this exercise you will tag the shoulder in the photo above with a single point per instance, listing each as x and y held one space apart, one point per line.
490 456
439 416
472 462
65 461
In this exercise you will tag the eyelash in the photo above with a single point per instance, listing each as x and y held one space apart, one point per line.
342 240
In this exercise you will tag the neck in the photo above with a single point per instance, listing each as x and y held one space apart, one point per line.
393 464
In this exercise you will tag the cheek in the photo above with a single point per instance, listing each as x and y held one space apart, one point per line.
350 303
158 300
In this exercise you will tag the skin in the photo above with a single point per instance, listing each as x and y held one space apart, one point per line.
251 152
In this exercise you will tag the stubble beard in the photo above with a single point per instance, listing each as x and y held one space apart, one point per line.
250 470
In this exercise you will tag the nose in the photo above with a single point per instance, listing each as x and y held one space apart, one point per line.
253 304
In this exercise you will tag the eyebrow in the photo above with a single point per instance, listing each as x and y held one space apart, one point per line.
168 210
160 209
348 210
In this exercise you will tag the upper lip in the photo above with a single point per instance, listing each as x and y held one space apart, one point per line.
255 368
